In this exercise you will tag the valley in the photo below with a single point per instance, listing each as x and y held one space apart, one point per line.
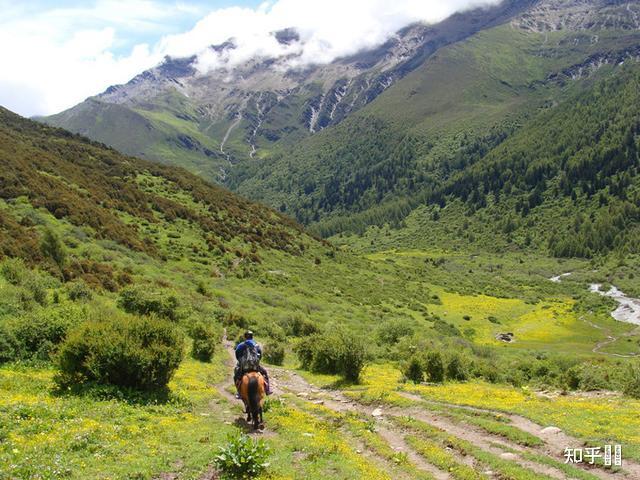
436 241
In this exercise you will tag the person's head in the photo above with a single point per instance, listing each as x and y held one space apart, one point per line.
248 335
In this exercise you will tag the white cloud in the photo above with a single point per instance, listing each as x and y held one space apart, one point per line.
57 58
329 29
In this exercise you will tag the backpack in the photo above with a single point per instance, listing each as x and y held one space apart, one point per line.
250 360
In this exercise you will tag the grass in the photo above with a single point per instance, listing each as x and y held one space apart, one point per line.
436 455
595 420
364 430
436 438
49 435
297 278
309 447
493 423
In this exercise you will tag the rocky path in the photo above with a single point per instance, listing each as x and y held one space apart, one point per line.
289 383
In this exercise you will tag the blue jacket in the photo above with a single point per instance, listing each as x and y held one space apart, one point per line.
242 346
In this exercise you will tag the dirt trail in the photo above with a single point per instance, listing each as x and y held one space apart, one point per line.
554 441
398 443
285 381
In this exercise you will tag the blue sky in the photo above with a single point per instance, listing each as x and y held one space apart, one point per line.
56 54
182 18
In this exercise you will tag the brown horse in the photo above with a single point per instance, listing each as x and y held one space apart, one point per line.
252 392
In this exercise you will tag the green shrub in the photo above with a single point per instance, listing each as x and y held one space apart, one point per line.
274 353
486 370
79 291
38 289
14 271
205 338
242 457
327 349
571 378
335 352
38 334
298 326
391 332
434 368
631 384
455 369
414 369
8 344
304 350
202 289
138 352
353 357
594 377
138 300
52 247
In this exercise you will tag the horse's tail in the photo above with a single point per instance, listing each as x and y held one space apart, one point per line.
254 395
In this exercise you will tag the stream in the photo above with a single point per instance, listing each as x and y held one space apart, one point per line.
628 310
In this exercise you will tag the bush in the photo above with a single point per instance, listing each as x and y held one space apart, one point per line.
8 344
414 369
337 352
37 335
455 369
33 284
14 271
205 337
138 300
631 384
304 350
242 457
37 289
52 247
327 349
390 333
434 368
571 378
138 352
79 290
274 353
298 326
594 377
353 357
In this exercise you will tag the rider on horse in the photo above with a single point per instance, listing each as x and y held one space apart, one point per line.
245 351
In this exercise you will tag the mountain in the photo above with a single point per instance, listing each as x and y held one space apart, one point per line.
208 122
366 140
93 194
404 148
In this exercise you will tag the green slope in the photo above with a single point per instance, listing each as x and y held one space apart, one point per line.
212 258
412 144
168 131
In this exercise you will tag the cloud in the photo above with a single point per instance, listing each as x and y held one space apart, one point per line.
52 59
61 56
328 29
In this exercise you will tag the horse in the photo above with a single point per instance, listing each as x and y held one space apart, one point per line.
252 392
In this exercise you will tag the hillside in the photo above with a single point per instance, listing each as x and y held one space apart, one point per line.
99 248
449 119
458 97
210 121
460 300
